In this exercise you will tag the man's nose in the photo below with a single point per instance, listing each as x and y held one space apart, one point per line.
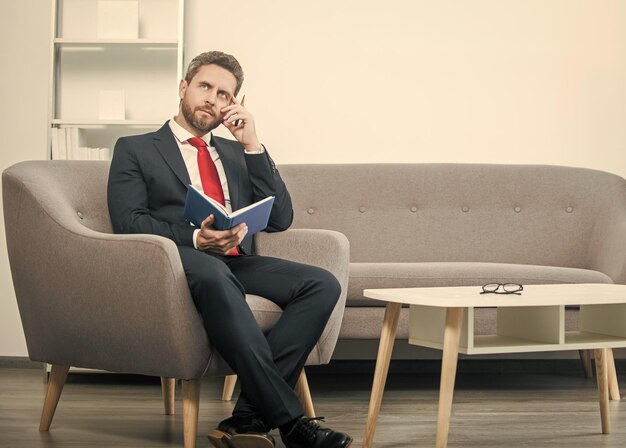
210 97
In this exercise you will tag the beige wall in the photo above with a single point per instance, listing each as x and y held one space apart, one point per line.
496 81
25 50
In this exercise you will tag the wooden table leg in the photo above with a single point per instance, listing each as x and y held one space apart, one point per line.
603 388
452 334
387 338
612 374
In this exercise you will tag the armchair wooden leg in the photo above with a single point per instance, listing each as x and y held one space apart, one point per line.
191 401
304 394
58 375
613 384
229 387
168 389
585 359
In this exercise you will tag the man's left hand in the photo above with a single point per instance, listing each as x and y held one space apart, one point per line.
240 123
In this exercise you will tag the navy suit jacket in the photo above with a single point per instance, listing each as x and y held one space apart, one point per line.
148 183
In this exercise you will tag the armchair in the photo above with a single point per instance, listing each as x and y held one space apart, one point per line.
91 298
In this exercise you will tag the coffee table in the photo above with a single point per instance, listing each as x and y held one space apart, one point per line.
443 318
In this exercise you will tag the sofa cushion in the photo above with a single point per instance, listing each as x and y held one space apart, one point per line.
414 275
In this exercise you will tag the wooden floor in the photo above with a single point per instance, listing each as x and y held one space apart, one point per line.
490 410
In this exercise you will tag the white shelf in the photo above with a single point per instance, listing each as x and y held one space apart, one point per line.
86 123
100 42
525 329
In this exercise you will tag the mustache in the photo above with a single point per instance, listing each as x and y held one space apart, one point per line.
208 110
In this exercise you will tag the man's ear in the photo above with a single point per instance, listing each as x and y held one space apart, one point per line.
182 88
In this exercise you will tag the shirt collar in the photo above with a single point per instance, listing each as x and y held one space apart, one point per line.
182 134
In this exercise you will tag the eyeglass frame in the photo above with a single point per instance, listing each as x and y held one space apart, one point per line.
518 291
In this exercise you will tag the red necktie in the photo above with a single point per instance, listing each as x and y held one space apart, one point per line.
211 184
208 172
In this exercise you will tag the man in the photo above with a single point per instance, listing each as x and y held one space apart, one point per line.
146 194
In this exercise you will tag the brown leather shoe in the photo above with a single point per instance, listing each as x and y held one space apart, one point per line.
241 432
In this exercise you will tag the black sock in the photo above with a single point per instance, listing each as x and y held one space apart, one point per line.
287 427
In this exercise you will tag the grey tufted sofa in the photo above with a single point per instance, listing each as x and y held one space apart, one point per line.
423 225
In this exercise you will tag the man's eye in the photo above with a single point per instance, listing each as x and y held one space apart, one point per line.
223 95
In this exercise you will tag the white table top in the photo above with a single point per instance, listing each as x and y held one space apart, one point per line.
532 295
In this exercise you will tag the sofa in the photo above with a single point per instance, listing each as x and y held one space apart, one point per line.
428 225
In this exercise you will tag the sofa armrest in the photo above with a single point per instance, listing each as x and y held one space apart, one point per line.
608 250
327 249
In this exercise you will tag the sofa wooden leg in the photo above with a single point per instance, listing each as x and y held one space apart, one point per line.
229 387
168 390
613 384
191 401
585 359
58 376
304 395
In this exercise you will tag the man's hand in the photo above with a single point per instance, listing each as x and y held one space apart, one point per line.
219 241
244 131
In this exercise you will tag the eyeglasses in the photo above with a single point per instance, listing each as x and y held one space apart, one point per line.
502 288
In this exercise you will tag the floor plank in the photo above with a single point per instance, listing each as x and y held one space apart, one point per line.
513 409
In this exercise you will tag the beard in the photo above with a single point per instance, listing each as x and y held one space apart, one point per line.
203 125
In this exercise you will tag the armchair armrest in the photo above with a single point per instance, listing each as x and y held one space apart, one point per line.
327 249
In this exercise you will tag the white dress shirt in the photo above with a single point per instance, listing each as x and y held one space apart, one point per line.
190 157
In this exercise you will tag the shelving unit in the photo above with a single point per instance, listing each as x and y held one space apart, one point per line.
146 69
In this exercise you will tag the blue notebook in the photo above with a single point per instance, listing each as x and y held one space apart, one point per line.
198 206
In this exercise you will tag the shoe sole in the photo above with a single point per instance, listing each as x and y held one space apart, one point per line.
345 446
221 439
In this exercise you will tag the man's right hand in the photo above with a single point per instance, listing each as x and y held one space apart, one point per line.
219 241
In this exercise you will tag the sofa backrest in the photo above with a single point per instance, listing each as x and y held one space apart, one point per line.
527 214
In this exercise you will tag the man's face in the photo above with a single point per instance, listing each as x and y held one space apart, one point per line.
210 90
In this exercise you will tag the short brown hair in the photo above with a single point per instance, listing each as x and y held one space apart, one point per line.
220 59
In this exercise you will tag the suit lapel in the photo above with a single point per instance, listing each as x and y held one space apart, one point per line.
165 142
231 168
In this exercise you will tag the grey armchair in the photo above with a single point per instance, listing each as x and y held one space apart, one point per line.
90 298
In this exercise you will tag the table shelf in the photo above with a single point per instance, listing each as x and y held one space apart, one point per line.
524 329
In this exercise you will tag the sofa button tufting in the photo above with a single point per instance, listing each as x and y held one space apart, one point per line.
517 209
310 211
569 209
465 209
414 209
80 215
362 209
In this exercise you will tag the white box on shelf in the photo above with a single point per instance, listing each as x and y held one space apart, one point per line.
118 19
112 105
